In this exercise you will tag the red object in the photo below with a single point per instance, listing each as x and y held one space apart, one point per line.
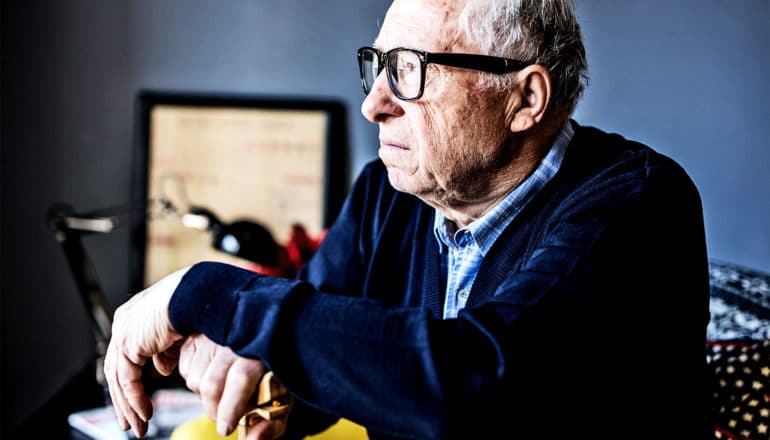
291 257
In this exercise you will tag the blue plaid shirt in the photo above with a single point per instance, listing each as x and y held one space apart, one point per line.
463 249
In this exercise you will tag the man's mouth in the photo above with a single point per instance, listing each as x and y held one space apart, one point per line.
392 143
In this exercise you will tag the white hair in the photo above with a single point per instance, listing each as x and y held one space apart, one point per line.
544 32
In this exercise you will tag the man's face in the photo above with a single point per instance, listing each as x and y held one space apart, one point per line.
446 146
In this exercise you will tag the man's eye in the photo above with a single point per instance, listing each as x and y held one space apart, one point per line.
407 67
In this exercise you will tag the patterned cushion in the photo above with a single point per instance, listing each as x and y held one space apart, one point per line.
741 374
739 351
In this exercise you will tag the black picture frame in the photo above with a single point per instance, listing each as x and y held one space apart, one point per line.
335 140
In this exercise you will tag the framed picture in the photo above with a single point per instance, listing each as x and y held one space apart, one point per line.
273 161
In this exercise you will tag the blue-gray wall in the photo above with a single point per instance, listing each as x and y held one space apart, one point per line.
689 78
692 79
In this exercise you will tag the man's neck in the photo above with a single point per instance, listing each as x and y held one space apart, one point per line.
532 150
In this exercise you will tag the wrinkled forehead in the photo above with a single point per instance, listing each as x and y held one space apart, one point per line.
430 25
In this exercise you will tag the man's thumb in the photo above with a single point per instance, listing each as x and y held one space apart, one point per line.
166 361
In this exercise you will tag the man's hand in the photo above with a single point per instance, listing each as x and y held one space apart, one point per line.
226 384
141 329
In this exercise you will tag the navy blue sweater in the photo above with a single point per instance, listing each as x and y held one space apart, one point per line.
587 317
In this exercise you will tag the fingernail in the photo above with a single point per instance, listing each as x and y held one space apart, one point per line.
222 428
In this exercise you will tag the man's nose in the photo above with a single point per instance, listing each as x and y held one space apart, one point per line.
381 103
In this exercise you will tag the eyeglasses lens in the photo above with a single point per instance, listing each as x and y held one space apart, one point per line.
405 73
370 67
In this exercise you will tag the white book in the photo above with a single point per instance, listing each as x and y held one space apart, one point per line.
99 424
172 407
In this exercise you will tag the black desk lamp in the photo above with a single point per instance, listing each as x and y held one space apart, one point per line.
243 238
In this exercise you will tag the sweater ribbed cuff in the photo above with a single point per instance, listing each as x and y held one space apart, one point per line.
207 293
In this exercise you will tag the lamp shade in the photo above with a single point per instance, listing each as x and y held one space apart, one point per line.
248 240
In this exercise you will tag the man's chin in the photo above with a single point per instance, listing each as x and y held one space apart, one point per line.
400 180
410 184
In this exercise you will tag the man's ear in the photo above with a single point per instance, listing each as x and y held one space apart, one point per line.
529 98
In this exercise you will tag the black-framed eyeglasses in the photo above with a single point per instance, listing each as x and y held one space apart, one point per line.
406 67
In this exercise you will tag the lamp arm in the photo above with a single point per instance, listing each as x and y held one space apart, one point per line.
84 272
68 232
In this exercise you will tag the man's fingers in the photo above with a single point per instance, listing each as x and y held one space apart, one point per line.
127 416
111 376
118 410
241 384
225 381
268 430
166 361
186 354
196 365
259 431
262 430
130 384
213 380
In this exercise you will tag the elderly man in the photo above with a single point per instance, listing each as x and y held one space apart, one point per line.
501 271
